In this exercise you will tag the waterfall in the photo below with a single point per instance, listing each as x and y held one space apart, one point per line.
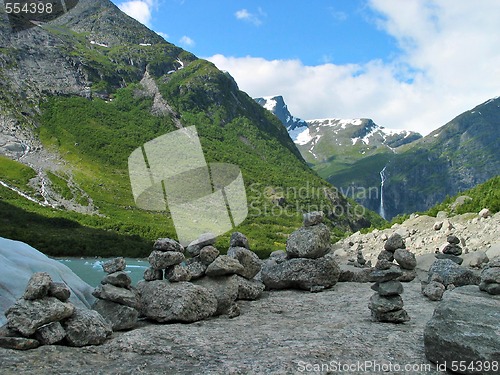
381 209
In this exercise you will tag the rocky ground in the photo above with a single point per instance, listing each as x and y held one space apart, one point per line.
422 236
285 332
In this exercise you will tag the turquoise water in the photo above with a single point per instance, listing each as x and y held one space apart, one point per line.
90 269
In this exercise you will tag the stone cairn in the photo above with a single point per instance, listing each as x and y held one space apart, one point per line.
44 316
360 261
206 284
307 263
386 304
435 285
116 299
451 250
490 277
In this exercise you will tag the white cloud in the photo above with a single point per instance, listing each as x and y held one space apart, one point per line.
245 15
449 62
163 35
141 10
186 41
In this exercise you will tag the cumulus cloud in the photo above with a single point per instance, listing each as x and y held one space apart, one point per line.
186 41
448 64
254 18
141 10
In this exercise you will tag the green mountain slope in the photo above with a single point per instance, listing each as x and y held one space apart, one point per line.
103 85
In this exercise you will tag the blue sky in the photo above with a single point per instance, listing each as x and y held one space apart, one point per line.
411 64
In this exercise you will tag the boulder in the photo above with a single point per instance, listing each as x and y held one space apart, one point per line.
313 218
38 286
464 328
224 288
119 279
405 259
407 276
458 260
224 265
18 343
249 289
484 213
177 273
491 288
114 265
120 317
27 316
175 302
388 288
19 261
86 327
452 273
163 259
238 240
208 254
112 293
59 291
386 255
475 259
196 268
395 241
434 291
309 242
151 274
50 334
248 259
167 244
491 275
392 273
205 239
300 273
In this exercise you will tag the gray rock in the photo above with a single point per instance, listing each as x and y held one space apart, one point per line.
386 255
224 265
27 316
112 293
196 268
458 260
452 249
59 291
395 241
239 240
452 273
163 259
350 273
388 288
208 254
86 327
476 259
383 304
397 316
248 259
309 242
434 291
167 244
38 286
383 264
491 275
484 213
313 218
150 274
50 333
119 279
114 265
491 288
249 289
454 240
407 276
464 327
18 343
205 239
182 302
233 311
120 317
177 273
392 273
224 288
405 259
300 273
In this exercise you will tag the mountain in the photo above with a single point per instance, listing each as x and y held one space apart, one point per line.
80 93
395 172
349 153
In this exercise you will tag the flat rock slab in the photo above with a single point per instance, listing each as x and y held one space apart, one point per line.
273 335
